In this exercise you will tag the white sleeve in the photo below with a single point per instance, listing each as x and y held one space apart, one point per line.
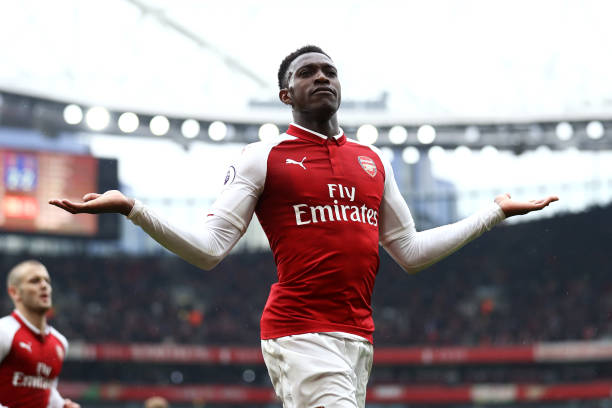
8 328
5 346
208 242
55 399
414 250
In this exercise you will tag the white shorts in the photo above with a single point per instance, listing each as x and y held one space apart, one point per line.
313 370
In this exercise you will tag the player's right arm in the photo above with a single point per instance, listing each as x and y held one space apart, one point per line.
8 327
205 244
7 331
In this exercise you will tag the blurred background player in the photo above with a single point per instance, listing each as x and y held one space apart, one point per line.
31 351
156 402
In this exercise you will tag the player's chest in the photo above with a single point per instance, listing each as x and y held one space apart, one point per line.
36 357
325 172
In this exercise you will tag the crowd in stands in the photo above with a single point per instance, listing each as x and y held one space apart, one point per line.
547 280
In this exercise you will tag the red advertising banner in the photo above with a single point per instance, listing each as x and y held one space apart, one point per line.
536 353
477 393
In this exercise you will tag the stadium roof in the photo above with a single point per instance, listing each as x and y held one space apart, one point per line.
435 59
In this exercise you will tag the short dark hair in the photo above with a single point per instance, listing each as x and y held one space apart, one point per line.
284 66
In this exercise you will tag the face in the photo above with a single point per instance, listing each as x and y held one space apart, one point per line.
33 290
313 85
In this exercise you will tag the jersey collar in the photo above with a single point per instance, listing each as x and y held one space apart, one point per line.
307 134
21 319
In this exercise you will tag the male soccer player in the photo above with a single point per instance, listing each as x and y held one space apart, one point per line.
325 203
31 351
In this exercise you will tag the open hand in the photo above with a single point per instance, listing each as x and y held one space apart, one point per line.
511 207
70 404
112 201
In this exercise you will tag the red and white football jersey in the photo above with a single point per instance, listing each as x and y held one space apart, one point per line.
318 202
30 362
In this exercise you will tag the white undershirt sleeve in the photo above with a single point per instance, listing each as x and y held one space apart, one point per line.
205 247
208 242
55 399
414 250
8 328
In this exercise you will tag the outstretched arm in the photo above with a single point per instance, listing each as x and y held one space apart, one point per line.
57 401
417 250
203 245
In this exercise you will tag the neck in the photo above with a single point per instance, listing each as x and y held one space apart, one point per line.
37 319
328 127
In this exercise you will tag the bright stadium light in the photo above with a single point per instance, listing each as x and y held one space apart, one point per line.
472 134
411 155
426 134
462 152
190 128
387 152
159 125
398 134
489 151
367 134
73 114
97 118
595 130
436 153
543 150
268 131
217 131
564 131
128 122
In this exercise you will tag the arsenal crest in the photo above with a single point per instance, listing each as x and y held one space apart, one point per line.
367 165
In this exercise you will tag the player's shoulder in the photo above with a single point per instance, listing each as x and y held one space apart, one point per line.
366 147
8 326
59 336
255 155
264 146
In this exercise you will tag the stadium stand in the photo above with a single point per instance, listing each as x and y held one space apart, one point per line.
490 324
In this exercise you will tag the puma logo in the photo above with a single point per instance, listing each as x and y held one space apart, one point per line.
27 346
299 163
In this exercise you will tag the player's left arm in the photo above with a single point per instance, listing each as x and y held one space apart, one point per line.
414 250
57 401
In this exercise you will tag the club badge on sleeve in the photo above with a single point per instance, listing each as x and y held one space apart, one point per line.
230 176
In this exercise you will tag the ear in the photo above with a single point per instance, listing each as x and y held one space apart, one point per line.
12 291
285 97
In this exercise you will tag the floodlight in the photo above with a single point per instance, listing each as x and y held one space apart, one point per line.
159 125
97 118
190 128
217 130
128 122
398 134
73 114
595 130
367 134
411 155
268 131
426 134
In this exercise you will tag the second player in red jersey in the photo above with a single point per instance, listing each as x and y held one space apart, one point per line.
31 351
